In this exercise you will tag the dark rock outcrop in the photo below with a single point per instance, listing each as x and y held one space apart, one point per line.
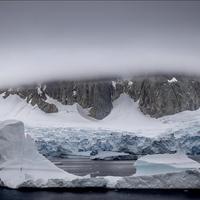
89 94
33 95
159 97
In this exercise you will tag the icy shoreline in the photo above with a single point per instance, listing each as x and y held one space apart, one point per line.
21 166
189 179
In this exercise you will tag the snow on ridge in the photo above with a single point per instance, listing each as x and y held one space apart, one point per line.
126 113
114 84
130 83
39 90
173 80
74 93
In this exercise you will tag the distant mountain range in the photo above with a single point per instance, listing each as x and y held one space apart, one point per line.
157 95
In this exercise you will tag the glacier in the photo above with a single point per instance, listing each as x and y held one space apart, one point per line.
125 129
61 142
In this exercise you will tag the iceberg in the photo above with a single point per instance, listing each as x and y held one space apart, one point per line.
160 171
189 179
20 161
164 163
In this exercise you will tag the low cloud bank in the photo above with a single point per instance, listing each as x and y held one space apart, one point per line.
42 41
43 65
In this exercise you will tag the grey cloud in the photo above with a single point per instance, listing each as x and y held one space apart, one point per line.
48 40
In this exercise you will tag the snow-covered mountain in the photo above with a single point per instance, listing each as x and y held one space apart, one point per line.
157 95
61 116
125 115
125 129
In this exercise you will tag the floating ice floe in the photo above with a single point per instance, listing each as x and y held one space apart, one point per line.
164 163
109 155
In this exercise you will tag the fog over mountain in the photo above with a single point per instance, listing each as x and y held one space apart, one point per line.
41 41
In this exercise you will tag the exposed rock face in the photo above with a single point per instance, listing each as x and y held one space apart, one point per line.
158 95
161 95
34 97
89 94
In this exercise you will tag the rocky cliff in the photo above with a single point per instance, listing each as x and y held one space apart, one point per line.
158 95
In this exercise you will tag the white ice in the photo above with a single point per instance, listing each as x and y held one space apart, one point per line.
164 163
125 115
103 155
20 160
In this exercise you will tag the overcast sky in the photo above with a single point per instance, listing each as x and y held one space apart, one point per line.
49 40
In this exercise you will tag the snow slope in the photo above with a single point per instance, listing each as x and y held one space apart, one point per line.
125 116
13 107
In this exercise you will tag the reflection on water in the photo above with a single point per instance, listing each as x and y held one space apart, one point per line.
82 166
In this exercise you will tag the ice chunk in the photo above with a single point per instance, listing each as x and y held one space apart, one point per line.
109 155
189 179
20 161
164 163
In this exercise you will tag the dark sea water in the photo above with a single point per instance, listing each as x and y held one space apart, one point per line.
6 194
82 166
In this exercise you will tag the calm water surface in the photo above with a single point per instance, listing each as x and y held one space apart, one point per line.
82 166
6 194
